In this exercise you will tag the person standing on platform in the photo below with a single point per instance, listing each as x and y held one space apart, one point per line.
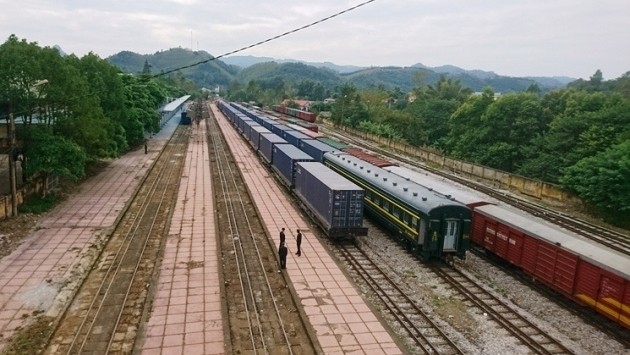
298 238
282 254
282 236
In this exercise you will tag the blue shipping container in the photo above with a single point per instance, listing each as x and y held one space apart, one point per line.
294 137
337 201
285 156
254 135
243 123
279 129
266 143
315 148
247 126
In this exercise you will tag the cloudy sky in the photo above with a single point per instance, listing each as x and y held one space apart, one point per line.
510 37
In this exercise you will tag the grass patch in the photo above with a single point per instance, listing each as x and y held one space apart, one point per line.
32 339
38 205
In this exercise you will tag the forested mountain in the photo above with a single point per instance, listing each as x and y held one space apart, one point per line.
209 74
263 69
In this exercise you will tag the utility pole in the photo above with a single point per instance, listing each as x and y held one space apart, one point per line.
12 168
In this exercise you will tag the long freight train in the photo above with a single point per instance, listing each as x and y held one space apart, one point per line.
333 202
432 225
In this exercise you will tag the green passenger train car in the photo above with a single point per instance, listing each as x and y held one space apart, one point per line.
432 225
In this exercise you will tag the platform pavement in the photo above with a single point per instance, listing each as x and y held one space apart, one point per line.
342 320
40 275
185 317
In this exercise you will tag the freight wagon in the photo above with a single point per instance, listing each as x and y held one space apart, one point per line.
586 272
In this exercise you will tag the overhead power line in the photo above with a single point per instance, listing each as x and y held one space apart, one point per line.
268 39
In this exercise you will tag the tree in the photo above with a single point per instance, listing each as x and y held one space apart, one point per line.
344 103
510 123
467 130
604 181
54 155
583 124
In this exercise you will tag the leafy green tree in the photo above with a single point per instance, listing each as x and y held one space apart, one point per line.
467 129
432 109
54 155
511 122
603 180
344 103
106 84
588 124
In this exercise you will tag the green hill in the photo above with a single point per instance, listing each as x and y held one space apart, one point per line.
208 74
216 72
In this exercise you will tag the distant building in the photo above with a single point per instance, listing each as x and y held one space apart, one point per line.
304 105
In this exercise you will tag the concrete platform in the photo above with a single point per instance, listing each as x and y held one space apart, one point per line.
186 312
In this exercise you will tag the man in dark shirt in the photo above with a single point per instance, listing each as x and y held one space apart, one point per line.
299 242
282 236
282 254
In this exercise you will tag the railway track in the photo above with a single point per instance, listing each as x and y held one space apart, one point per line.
617 241
425 334
595 319
262 314
427 337
106 311
525 331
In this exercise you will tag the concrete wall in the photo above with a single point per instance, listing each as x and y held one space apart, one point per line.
35 188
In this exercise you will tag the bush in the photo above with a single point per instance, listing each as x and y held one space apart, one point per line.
38 205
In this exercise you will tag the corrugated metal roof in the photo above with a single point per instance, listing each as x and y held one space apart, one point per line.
174 105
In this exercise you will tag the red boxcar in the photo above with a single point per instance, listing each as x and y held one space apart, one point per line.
587 272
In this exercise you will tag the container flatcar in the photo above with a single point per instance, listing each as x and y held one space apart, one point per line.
431 225
334 202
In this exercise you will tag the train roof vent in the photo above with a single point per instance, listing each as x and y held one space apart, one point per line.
384 178
415 194
369 170
405 189
361 167
424 198
376 174
395 183
355 164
